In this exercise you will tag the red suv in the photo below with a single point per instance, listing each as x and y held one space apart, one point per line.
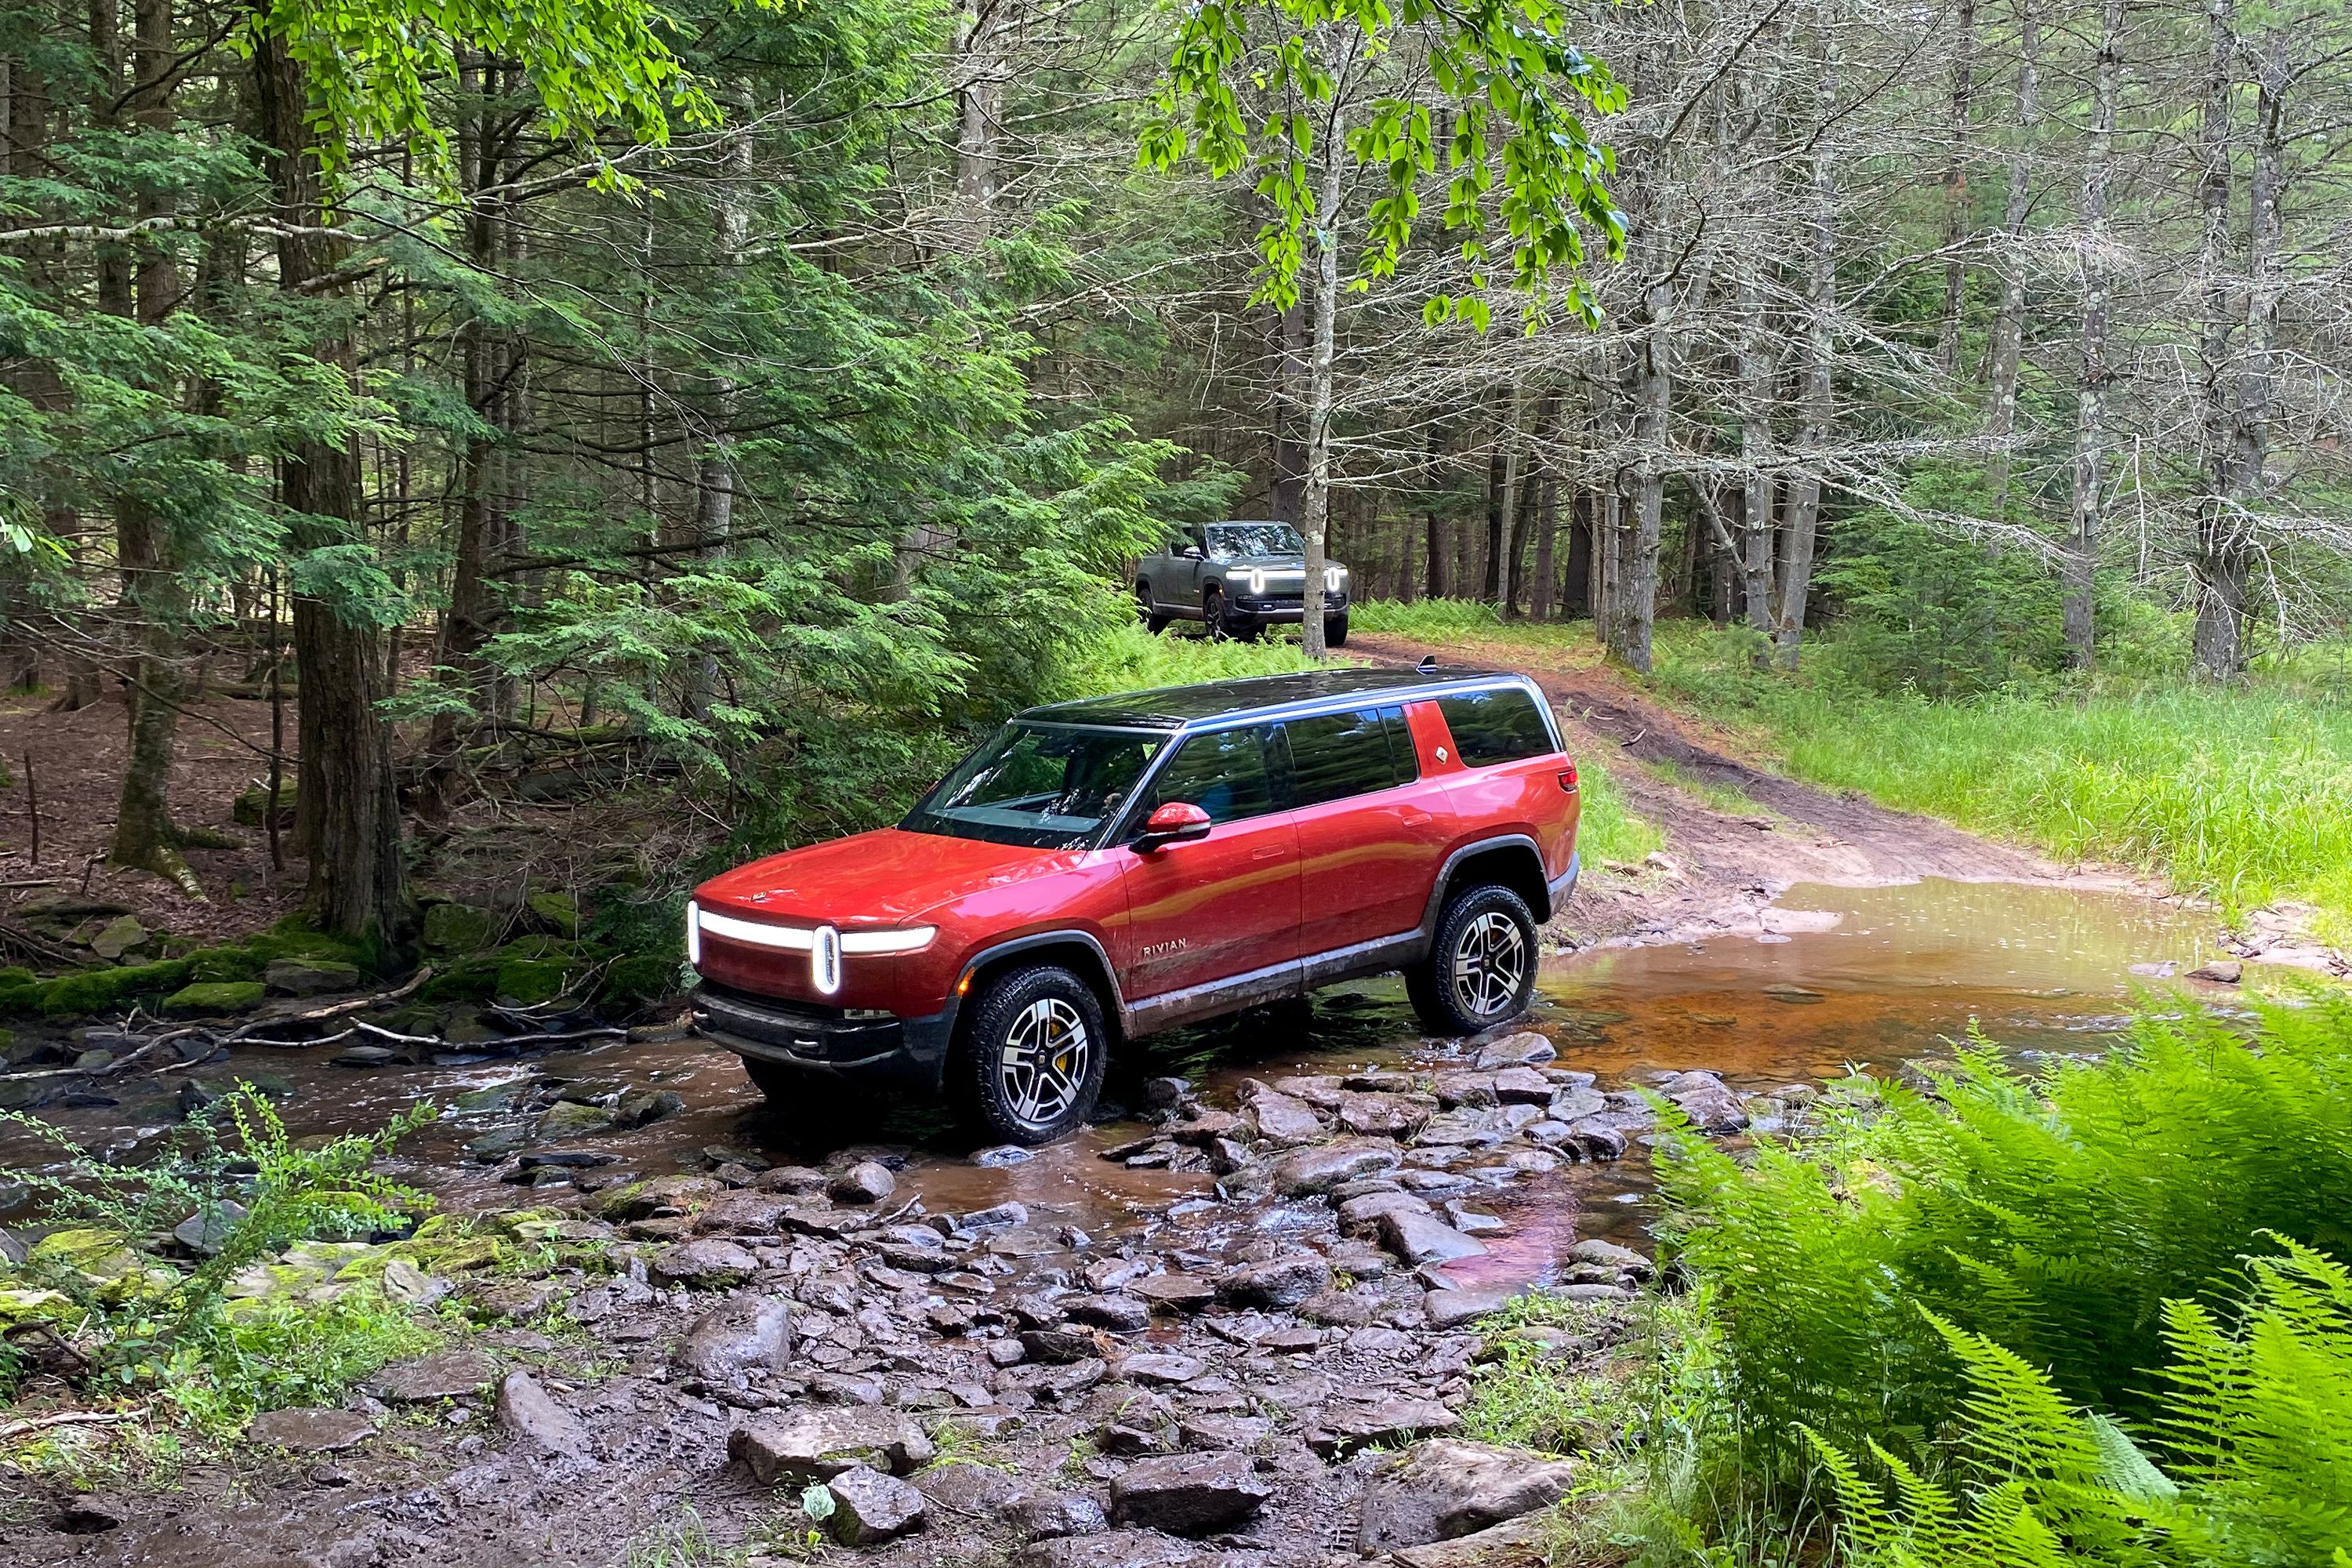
1104 869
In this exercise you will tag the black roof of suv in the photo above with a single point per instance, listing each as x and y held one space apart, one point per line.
1173 707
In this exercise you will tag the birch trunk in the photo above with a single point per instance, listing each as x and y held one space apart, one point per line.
2219 566
1955 194
2082 557
1802 509
2008 344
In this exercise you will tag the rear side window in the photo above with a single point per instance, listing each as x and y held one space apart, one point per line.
1498 726
1335 756
1224 774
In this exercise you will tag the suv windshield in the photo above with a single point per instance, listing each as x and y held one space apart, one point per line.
1050 786
1238 540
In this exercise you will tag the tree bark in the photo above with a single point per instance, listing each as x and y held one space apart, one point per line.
715 476
980 100
1498 479
1322 367
1286 491
347 809
1543 603
2219 566
1956 193
2257 377
1509 534
2082 556
2007 349
1652 404
1802 509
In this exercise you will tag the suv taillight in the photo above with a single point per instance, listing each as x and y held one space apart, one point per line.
1568 779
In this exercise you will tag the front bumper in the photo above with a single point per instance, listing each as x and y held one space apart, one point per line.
911 1052
1279 609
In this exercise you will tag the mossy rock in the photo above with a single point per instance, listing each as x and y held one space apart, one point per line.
640 978
569 1119
252 807
525 982
541 946
473 979
105 1261
558 913
214 998
105 990
18 1307
458 928
309 976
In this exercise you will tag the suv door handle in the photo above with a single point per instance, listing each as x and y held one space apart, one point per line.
1275 853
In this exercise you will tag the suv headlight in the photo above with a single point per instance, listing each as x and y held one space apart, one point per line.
909 939
1257 579
1334 578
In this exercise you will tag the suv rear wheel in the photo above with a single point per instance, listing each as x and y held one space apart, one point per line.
1153 621
1335 631
1481 970
1031 1060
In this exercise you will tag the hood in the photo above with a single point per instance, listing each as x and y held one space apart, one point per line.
885 878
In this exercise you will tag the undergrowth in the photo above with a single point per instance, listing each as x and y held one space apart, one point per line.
2096 1317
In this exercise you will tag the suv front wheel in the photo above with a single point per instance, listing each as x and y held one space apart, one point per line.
1481 970
1031 1060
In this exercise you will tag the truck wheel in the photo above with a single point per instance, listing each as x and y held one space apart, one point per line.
1335 631
1212 613
1481 970
1031 1062
1153 621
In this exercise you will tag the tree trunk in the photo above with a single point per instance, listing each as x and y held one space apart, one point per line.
1498 480
1544 603
347 809
1956 193
1802 510
2009 321
1321 365
2257 378
1286 492
2082 557
1513 514
2219 566
1653 389
1757 375
980 98
714 480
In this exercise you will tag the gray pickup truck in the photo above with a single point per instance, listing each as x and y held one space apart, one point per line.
1237 579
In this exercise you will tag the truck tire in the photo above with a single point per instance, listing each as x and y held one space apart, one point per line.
1030 1061
1212 613
1481 968
1153 621
1335 631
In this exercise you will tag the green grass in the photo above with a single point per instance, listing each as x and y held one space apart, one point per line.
1129 658
2242 796
1725 798
1608 830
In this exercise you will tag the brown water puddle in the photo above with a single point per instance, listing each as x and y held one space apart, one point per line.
1895 972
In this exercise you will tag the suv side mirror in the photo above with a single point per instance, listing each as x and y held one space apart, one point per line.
1190 552
1178 822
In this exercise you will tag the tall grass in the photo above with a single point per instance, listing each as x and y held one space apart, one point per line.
1608 830
2243 795
1129 658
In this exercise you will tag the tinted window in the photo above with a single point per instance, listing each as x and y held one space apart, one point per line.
1499 726
1224 774
1049 785
1335 756
1236 540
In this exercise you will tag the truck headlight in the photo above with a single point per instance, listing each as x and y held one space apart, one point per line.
694 933
1257 579
1334 578
911 939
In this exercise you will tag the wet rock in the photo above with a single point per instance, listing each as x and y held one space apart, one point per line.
205 1232
643 1107
1446 1488
1056 1384
818 1445
1362 1213
1058 1347
370 1057
706 1264
1038 1311
2220 971
1608 1253
1526 1048
994 1218
405 1282
1384 1115
1523 1085
1113 1549
1576 1103
844 1388
571 1118
538 1422
1214 1432
1339 1308
974 1490
1283 1119
1599 1138
1052 1516
1305 1171
871 1507
1455 1306
1784 992
1280 1284
1189 1494
510 1301
1175 1292
1165 1093
742 1213
736 1340
1523 1542
1162 1368
648 1199
1702 1097
1342 1428
1120 1313
1207 1128
443 1377
310 1431
867 1182
798 1181
309 977
1002 1156
1419 1239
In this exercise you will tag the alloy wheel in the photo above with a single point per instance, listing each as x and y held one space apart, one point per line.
1044 1061
1490 963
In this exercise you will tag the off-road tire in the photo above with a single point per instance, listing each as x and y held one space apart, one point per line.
1153 621
1335 631
1500 978
1213 614
1030 1010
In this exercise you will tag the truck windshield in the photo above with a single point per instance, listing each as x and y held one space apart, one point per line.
1051 786
1241 541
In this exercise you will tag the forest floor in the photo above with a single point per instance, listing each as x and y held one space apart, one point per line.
1737 834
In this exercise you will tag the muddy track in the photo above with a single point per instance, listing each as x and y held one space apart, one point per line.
1721 868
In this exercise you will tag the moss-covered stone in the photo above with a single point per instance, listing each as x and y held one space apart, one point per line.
567 1119
214 998
252 807
639 978
526 982
558 913
309 976
19 1306
119 936
458 928
103 1259
472 979
108 990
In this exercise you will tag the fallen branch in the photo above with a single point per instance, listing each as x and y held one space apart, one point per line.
301 1045
31 1424
17 939
333 1010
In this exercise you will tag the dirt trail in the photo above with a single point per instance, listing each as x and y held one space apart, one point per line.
1722 868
